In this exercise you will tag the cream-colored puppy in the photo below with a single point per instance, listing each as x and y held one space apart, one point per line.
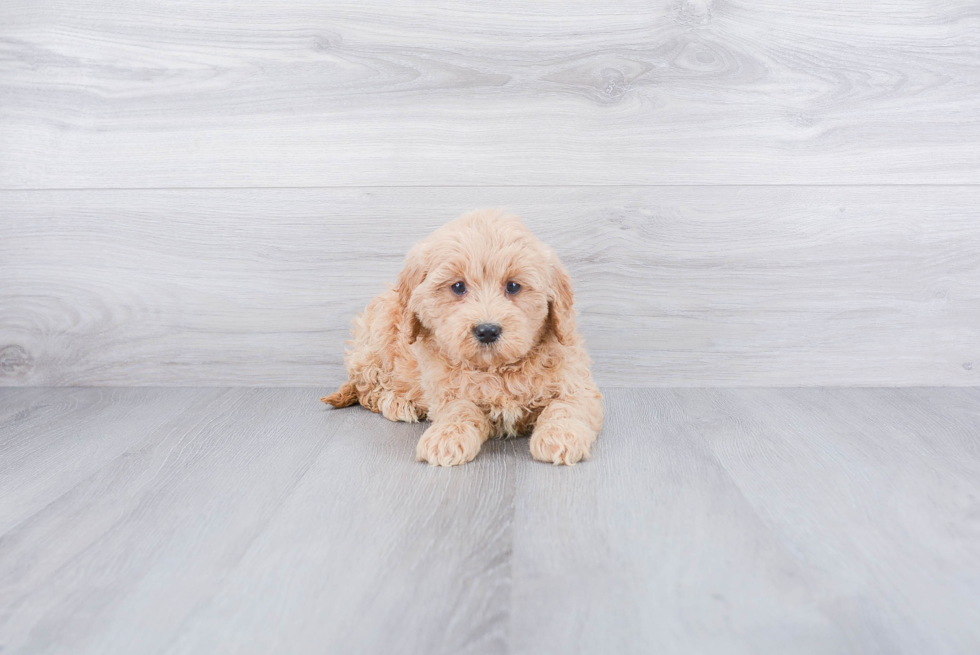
478 336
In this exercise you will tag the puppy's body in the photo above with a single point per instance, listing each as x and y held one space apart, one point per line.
417 352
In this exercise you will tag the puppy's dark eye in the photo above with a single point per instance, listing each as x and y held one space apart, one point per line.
459 288
513 287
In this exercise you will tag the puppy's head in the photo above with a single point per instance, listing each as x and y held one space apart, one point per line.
483 290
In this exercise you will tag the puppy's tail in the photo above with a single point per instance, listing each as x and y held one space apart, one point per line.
345 396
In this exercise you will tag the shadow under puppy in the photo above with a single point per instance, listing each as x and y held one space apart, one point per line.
478 335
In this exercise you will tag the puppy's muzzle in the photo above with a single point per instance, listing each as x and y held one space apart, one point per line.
486 332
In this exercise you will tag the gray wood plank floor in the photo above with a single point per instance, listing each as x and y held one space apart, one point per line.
709 520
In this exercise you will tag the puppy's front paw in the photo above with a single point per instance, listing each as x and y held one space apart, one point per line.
558 443
447 444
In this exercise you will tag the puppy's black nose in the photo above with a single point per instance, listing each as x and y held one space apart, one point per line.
487 332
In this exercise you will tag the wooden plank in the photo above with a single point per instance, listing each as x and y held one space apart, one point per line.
876 490
675 286
757 521
142 536
389 555
264 522
709 520
650 547
59 438
17 403
163 94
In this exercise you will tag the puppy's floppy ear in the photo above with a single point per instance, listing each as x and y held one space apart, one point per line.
561 313
412 275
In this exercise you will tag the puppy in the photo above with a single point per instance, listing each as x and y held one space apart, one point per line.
478 335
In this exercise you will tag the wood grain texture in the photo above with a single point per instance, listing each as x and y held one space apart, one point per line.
803 520
389 555
872 488
43 458
650 547
163 94
709 520
675 285
293 527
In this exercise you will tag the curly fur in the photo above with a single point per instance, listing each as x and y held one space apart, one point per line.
413 354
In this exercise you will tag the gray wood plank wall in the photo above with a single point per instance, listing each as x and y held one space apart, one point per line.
379 92
746 193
